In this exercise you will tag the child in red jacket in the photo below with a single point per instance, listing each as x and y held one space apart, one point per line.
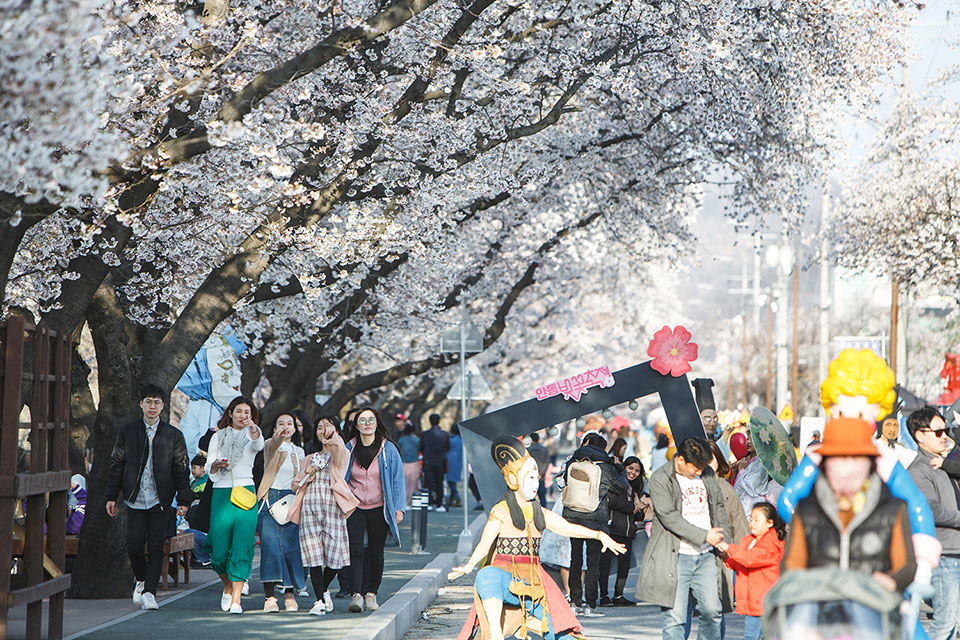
757 563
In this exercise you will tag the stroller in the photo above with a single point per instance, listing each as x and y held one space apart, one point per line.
833 604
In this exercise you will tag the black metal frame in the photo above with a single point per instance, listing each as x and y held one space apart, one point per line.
531 415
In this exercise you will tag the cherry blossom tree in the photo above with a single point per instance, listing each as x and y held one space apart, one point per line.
901 213
338 180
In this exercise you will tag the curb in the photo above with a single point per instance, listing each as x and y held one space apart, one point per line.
403 609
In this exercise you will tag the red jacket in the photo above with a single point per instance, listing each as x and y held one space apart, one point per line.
757 569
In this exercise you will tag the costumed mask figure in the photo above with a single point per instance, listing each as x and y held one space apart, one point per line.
889 429
519 470
860 386
703 394
513 595
850 500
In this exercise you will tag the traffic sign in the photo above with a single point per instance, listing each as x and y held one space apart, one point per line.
477 387
473 340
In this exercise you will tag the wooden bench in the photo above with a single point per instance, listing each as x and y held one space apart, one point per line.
72 543
176 550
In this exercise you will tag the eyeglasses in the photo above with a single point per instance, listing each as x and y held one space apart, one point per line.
367 421
937 432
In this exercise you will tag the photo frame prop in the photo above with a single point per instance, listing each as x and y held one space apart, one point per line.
531 415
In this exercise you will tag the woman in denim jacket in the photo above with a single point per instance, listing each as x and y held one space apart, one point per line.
375 475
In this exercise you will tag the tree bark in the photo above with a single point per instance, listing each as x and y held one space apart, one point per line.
102 569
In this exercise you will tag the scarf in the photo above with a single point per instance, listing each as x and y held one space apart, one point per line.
365 455
232 443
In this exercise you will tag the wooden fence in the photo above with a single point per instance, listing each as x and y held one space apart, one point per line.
45 483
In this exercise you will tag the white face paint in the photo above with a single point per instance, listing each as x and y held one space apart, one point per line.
529 479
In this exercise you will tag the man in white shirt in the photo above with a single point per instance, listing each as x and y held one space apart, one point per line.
689 521
148 467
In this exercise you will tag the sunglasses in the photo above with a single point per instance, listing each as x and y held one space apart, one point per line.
937 432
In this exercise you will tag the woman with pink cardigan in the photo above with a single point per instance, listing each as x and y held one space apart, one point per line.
323 503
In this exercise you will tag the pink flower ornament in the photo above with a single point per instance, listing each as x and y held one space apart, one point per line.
672 351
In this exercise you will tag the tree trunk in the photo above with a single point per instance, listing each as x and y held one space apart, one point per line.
83 412
102 569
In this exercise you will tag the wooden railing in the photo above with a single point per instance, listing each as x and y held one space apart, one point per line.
45 388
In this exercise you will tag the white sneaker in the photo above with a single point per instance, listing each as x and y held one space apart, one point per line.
138 592
370 601
235 608
441 509
319 608
148 602
589 612
328 601
303 593
356 603
246 589
225 600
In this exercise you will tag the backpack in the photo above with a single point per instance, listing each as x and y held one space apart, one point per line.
582 492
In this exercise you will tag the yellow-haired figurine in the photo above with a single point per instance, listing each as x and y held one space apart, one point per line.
861 385
512 593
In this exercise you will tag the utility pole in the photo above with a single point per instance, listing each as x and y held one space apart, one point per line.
894 322
795 373
744 286
783 259
824 311
769 402
757 247
464 412
743 364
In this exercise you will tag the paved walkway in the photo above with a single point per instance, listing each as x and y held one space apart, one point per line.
193 611
445 617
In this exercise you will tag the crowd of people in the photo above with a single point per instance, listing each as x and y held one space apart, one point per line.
322 497
325 499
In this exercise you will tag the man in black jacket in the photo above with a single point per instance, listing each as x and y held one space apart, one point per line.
148 467
435 445
612 479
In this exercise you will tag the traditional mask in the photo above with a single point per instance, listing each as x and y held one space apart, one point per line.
512 458
529 479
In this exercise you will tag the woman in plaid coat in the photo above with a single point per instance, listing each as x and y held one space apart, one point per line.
326 502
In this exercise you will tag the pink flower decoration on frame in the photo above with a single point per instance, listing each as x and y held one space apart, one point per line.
672 351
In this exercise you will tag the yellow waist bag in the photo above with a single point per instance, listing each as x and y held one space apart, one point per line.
242 497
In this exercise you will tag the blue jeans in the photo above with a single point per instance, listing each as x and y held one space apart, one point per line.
689 623
199 537
752 627
696 573
946 597
280 559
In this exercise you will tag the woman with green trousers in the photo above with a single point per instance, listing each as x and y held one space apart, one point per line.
233 524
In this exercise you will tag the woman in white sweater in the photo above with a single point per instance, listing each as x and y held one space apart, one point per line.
230 541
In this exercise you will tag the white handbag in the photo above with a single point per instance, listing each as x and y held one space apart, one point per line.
280 510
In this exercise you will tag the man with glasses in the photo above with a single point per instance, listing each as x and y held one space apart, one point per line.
930 432
148 467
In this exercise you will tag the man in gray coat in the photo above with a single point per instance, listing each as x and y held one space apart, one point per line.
689 520
929 430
